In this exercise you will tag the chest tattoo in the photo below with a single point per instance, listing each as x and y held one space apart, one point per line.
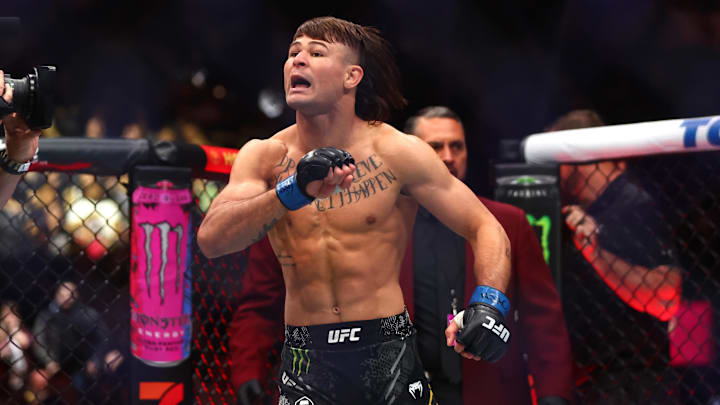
371 177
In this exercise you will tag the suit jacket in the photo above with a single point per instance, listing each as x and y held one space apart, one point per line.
539 331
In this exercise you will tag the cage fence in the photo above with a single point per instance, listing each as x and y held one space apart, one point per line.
660 332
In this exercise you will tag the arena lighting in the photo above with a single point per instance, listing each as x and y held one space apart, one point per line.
270 103
93 225
198 79
219 92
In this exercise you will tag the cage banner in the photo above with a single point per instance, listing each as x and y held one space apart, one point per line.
160 287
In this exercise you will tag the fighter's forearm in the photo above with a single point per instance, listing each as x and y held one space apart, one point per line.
231 226
8 182
654 291
491 248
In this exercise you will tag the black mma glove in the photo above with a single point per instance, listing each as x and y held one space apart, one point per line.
315 165
249 392
483 331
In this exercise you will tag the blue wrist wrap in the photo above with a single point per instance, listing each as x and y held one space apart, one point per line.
290 195
492 297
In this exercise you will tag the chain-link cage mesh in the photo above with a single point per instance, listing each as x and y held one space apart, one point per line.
64 290
65 240
216 288
641 317
641 283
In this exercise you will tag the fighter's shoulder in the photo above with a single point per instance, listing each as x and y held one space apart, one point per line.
266 150
400 147
257 157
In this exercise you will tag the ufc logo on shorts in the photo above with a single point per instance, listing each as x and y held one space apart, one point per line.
287 380
498 329
340 335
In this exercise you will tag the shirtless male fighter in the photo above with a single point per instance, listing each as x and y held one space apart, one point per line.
337 195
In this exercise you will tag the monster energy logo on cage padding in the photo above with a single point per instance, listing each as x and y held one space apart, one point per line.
301 361
544 223
165 229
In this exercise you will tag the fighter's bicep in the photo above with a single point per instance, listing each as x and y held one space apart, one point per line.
240 191
453 203
249 175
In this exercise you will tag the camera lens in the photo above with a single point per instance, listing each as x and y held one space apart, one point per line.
33 96
23 90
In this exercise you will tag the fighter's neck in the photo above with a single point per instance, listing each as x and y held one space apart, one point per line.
336 128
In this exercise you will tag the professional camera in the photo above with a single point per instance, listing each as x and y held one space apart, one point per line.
34 96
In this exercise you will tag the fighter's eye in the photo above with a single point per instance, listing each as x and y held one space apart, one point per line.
316 54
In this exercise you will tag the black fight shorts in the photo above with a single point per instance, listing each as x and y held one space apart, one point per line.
365 363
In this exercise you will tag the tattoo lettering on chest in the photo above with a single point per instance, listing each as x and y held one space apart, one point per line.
370 178
287 168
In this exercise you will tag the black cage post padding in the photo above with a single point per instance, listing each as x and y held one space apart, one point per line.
95 156
534 188
117 156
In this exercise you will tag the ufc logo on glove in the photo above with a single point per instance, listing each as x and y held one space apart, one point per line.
498 329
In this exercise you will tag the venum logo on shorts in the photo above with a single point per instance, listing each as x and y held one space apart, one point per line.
416 389
304 401
340 335
498 329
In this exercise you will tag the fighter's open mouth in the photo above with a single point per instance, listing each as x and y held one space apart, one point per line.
299 82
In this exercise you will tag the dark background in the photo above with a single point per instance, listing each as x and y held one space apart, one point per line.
509 68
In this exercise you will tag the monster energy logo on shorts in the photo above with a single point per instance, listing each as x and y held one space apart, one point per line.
544 223
301 357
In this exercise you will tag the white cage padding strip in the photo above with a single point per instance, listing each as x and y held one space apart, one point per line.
621 141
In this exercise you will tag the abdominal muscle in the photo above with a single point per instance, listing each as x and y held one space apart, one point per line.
335 275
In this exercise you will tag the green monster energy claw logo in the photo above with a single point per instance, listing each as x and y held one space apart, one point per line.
300 356
544 223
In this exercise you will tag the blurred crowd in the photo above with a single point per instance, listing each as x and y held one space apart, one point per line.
66 354
211 71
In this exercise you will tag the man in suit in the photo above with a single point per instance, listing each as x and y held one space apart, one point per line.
437 281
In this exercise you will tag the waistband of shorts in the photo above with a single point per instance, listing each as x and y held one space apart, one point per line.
346 335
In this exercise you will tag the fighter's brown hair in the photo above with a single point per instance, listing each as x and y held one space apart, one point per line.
378 93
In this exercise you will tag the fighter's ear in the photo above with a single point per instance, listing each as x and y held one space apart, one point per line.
353 76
